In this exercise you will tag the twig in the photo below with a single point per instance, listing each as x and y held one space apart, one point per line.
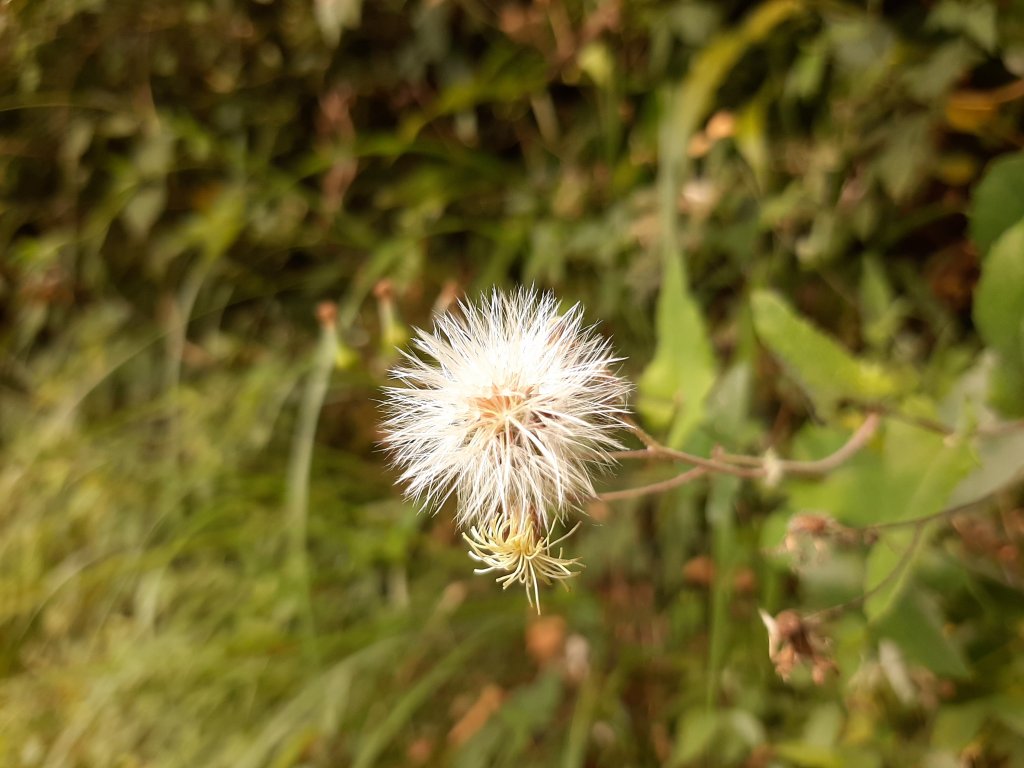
920 524
932 425
720 454
753 467
860 438
900 568
664 485
657 450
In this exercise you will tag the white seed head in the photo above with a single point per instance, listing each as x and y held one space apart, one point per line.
509 406
514 547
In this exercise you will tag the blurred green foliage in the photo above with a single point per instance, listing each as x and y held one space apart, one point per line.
785 212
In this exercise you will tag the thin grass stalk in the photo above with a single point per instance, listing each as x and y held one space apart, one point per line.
299 464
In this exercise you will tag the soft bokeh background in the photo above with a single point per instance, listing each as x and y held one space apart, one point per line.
217 220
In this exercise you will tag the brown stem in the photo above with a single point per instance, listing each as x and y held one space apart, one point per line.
834 610
919 524
985 430
657 450
752 467
720 454
664 485
860 438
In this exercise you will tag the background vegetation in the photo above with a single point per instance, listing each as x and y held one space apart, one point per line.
787 213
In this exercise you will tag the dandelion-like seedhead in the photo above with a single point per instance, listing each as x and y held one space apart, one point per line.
509 406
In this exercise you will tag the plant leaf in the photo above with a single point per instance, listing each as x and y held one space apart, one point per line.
889 566
998 201
674 385
911 477
826 371
999 315
915 626
1000 462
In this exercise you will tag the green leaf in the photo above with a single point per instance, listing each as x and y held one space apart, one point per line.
509 734
999 316
674 385
904 163
375 740
728 406
976 21
881 312
215 228
824 725
915 625
911 476
714 62
1009 710
940 71
752 142
826 371
998 201
1000 462
956 725
808 755
889 566
695 732
143 209
999 296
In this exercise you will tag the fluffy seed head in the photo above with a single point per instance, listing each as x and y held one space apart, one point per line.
508 406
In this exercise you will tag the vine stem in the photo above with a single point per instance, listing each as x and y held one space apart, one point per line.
749 467
897 572
654 449
664 485
858 440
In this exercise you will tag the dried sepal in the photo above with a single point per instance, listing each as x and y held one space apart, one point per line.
794 640
515 547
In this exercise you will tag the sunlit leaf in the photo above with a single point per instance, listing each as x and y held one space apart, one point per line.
826 371
715 60
674 385
941 70
751 140
907 474
978 21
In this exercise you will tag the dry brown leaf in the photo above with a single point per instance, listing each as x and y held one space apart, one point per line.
545 639
476 717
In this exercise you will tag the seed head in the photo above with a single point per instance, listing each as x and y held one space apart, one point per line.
508 406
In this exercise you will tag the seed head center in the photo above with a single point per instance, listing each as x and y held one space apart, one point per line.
500 405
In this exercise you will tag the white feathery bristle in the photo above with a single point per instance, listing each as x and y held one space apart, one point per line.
509 406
